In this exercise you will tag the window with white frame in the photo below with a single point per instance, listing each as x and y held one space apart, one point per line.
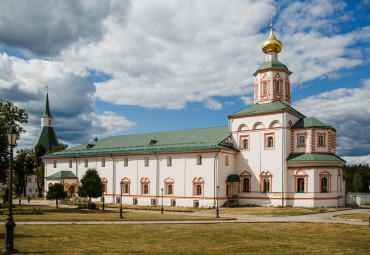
301 141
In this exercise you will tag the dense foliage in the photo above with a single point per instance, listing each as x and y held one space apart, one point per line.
10 116
39 151
57 192
92 185
58 147
358 178
24 164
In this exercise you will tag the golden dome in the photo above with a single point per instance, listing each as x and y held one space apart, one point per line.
271 44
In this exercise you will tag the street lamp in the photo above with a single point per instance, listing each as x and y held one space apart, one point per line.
120 200
9 223
217 211
103 196
162 201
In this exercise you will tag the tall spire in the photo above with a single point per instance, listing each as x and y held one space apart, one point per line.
47 111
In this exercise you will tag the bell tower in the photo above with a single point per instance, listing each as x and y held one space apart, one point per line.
272 78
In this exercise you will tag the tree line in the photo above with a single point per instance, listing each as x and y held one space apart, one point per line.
358 178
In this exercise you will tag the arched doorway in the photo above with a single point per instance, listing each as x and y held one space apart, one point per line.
71 190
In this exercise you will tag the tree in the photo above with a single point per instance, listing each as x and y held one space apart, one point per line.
358 178
58 147
39 151
10 116
23 168
56 192
92 186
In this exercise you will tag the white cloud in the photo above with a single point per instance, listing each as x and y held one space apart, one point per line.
109 123
357 160
348 111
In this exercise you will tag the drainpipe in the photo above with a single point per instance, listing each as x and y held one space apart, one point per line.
74 158
157 180
282 160
114 179
214 178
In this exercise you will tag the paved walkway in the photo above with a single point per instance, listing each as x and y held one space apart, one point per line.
328 217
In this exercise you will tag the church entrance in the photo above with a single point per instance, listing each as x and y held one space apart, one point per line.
71 190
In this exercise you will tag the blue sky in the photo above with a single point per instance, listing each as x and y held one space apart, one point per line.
123 67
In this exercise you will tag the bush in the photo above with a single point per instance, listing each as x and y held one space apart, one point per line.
21 211
91 206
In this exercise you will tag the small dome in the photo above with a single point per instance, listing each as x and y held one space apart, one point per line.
271 44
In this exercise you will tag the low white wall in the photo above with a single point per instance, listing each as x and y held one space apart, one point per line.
357 198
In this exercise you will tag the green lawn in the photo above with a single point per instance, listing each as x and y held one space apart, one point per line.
271 211
262 238
359 216
73 214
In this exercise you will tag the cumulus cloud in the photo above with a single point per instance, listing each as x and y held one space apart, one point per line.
110 123
348 111
44 28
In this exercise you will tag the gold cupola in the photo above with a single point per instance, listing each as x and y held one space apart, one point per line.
271 44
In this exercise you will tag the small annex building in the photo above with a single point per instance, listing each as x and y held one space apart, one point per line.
269 154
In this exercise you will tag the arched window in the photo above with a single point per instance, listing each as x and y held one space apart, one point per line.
265 182
198 184
270 142
126 186
265 87
266 185
300 185
245 144
169 161
199 159
301 140
226 160
324 184
277 87
125 161
169 186
246 184
145 186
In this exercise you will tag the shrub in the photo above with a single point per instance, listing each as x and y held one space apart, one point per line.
21 211
91 206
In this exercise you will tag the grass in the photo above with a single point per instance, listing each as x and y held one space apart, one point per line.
152 208
74 214
261 238
359 216
278 211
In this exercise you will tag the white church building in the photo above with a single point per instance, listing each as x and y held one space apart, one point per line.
269 154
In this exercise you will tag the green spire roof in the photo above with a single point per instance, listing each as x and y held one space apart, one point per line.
47 111
272 65
266 107
310 122
46 137
183 140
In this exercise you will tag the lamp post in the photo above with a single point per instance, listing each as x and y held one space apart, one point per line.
103 198
162 201
217 211
120 200
9 223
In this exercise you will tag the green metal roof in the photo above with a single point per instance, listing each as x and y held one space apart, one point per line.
274 65
232 178
62 175
47 111
310 122
314 157
193 139
265 108
46 137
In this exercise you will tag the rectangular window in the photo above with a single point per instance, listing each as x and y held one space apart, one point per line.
118 200
70 163
146 161
125 162
103 162
265 87
173 202
245 185
55 163
134 201
169 161
227 161
277 87
86 163
302 141
153 201
269 141
196 203
199 159
266 185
